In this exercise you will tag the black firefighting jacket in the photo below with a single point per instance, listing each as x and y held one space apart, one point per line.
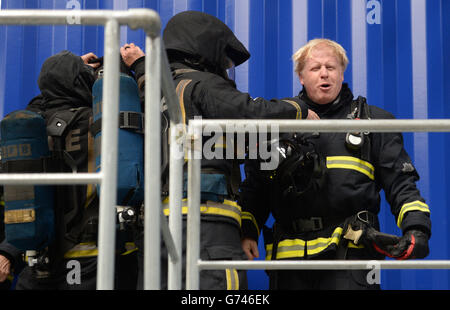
197 45
353 180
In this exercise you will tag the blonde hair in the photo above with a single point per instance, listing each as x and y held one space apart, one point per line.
304 52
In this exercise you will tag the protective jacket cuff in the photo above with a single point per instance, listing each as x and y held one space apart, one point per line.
417 220
249 230
301 109
138 67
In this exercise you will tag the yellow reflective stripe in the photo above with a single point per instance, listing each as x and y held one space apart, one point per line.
318 245
130 247
228 208
86 249
269 248
348 162
354 246
250 217
232 279
411 206
89 249
180 93
299 110
294 248
19 216
290 248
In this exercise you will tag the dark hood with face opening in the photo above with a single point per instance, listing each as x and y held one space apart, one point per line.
65 78
205 38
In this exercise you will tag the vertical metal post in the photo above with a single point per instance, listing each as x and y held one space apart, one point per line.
175 203
109 143
152 226
193 220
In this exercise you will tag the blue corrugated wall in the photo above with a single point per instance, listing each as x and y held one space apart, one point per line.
399 56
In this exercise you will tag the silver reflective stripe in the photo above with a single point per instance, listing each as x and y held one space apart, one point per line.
318 245
290 250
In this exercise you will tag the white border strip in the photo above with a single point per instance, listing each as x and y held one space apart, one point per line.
359 48
242 32
299 36
420 89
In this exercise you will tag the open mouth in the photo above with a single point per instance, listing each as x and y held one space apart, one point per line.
325 86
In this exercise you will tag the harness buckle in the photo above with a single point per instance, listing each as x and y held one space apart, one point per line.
317 223
306 225
364 216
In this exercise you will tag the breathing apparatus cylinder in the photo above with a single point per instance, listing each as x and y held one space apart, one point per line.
130 173
29 209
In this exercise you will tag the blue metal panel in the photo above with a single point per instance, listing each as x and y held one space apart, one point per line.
398 51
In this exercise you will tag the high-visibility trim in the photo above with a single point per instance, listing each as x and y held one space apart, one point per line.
232 279
295 248
85 249
318 245
89 249
353 163
19 216
130 247
411 206
250 217
227 208
354 246
269 248
299 110
180 93
289 248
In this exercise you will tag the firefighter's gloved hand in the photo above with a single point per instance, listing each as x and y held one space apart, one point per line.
413 244
362 233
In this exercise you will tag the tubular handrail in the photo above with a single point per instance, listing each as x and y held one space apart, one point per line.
145 19
339 125
195 130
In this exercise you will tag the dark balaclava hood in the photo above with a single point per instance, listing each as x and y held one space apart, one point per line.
205 38
65 78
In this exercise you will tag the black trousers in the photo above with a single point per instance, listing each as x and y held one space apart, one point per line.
326 279
218 241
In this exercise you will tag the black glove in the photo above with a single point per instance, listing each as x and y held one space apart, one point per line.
373 240
413 244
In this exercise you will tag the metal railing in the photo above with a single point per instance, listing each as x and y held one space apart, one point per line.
196 127
157 77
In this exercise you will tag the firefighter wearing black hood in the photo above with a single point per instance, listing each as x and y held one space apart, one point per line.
65 82
200 49
336 218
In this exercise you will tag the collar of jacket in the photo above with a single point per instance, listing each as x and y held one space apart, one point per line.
345 97
179 65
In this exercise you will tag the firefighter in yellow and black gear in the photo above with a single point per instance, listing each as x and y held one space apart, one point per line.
325 193
200 49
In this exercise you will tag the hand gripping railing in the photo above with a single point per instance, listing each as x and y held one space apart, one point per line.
194 143
157 76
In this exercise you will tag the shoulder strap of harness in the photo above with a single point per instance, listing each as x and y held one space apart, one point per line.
360 110
180 88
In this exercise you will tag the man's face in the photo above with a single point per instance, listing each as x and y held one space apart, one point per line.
322 75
